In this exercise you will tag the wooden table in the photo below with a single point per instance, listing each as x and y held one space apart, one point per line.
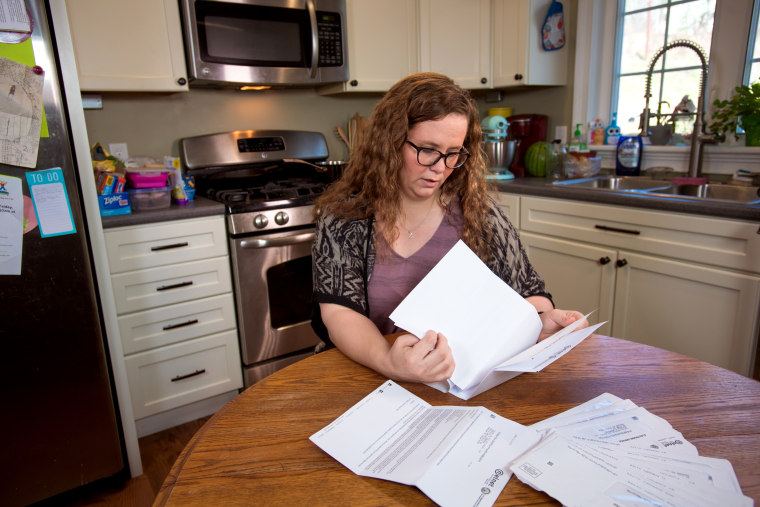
256 451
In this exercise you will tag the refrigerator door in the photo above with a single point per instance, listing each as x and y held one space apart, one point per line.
59 426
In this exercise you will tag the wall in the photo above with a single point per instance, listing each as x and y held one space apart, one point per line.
152 124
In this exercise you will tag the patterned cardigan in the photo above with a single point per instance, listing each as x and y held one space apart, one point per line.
343 256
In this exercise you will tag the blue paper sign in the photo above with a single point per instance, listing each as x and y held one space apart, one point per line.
51 202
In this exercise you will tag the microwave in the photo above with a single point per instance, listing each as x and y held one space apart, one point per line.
265 42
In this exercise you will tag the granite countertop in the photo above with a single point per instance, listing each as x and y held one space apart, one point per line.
198 207
543 187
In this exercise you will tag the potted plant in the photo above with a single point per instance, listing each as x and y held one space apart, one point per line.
743 110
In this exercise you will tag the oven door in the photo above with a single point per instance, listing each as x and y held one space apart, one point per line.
273 288
267 42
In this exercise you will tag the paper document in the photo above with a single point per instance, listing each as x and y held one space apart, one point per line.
491 329
609 452
457 456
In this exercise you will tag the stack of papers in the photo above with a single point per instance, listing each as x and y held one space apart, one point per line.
606 452
491 329
610 452
457 456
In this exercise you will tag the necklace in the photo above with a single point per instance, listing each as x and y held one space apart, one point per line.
411 231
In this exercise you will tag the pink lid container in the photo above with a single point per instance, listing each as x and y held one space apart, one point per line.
147 179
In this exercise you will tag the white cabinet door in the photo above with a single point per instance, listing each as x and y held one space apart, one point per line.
382 45
128 46
518 55
578 276
694 310
455 39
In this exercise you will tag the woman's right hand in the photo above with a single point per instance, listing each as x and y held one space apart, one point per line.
428 359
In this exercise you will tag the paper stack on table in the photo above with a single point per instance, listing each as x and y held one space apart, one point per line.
491 329
609 452
606 452
457 456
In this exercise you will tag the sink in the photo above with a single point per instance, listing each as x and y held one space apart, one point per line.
714 191
665 189
624 183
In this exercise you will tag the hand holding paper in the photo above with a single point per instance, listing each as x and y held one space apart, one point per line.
485 321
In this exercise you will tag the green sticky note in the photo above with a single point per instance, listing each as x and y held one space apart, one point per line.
23 53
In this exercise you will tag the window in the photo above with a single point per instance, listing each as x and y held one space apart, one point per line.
752 74
729 66
644 28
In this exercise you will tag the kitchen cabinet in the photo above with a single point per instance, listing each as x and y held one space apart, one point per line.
684 283
382 45
455 40
128 46
176 314
482 44
519 58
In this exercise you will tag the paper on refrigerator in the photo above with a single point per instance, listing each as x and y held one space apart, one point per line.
457 456
491 329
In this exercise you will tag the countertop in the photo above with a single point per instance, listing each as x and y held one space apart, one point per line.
198 207
543 187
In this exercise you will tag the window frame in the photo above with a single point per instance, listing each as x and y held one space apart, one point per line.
594 56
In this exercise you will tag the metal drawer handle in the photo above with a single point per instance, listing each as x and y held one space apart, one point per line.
174 286
289 240
168 247
183 377
180 324
616 229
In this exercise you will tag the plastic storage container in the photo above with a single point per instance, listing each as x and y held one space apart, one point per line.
147 179
142 199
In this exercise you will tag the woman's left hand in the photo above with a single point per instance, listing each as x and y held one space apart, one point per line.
555 319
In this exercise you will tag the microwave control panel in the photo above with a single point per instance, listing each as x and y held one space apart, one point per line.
330 39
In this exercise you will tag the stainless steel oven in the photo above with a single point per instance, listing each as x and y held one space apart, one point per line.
267 181
265 42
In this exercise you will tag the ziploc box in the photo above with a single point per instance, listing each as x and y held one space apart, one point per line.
114 204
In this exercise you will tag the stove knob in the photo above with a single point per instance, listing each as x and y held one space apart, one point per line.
260 221
281 218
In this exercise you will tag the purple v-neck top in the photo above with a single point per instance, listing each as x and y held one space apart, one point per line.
394 276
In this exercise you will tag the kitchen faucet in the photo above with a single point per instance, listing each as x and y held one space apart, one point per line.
699 135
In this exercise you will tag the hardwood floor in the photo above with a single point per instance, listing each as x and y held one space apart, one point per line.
158 452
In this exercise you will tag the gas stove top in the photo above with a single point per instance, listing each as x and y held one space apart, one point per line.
248 197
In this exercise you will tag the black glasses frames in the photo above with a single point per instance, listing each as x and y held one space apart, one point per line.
429 157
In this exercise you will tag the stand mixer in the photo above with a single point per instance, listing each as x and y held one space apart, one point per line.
525 129
499 151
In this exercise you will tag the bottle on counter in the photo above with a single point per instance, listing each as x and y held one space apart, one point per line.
555 164
628 156
577 144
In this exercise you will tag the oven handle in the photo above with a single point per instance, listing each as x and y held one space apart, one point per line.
314 38
286 241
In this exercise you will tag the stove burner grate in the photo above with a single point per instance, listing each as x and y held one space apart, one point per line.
295 189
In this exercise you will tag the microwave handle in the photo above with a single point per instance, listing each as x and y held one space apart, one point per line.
314 38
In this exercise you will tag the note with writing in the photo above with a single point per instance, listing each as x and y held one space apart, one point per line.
51 203
491 329
11 225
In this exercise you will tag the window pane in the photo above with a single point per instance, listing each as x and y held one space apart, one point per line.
631 102
643 35
634 5
692 21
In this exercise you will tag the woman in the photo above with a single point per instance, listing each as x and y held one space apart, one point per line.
414 186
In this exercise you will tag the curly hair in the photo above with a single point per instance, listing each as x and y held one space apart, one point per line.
370 183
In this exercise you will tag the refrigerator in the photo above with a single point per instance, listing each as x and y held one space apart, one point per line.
60 426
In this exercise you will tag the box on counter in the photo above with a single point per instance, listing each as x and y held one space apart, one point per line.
108 183
183 187
114 204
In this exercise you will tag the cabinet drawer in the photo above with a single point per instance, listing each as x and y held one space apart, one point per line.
183 373
166 243
510 205
165 285
721 242
176 323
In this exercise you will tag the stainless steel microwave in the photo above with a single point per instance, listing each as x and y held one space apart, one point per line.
265 42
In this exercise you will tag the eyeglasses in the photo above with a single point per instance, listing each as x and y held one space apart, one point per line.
429 157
